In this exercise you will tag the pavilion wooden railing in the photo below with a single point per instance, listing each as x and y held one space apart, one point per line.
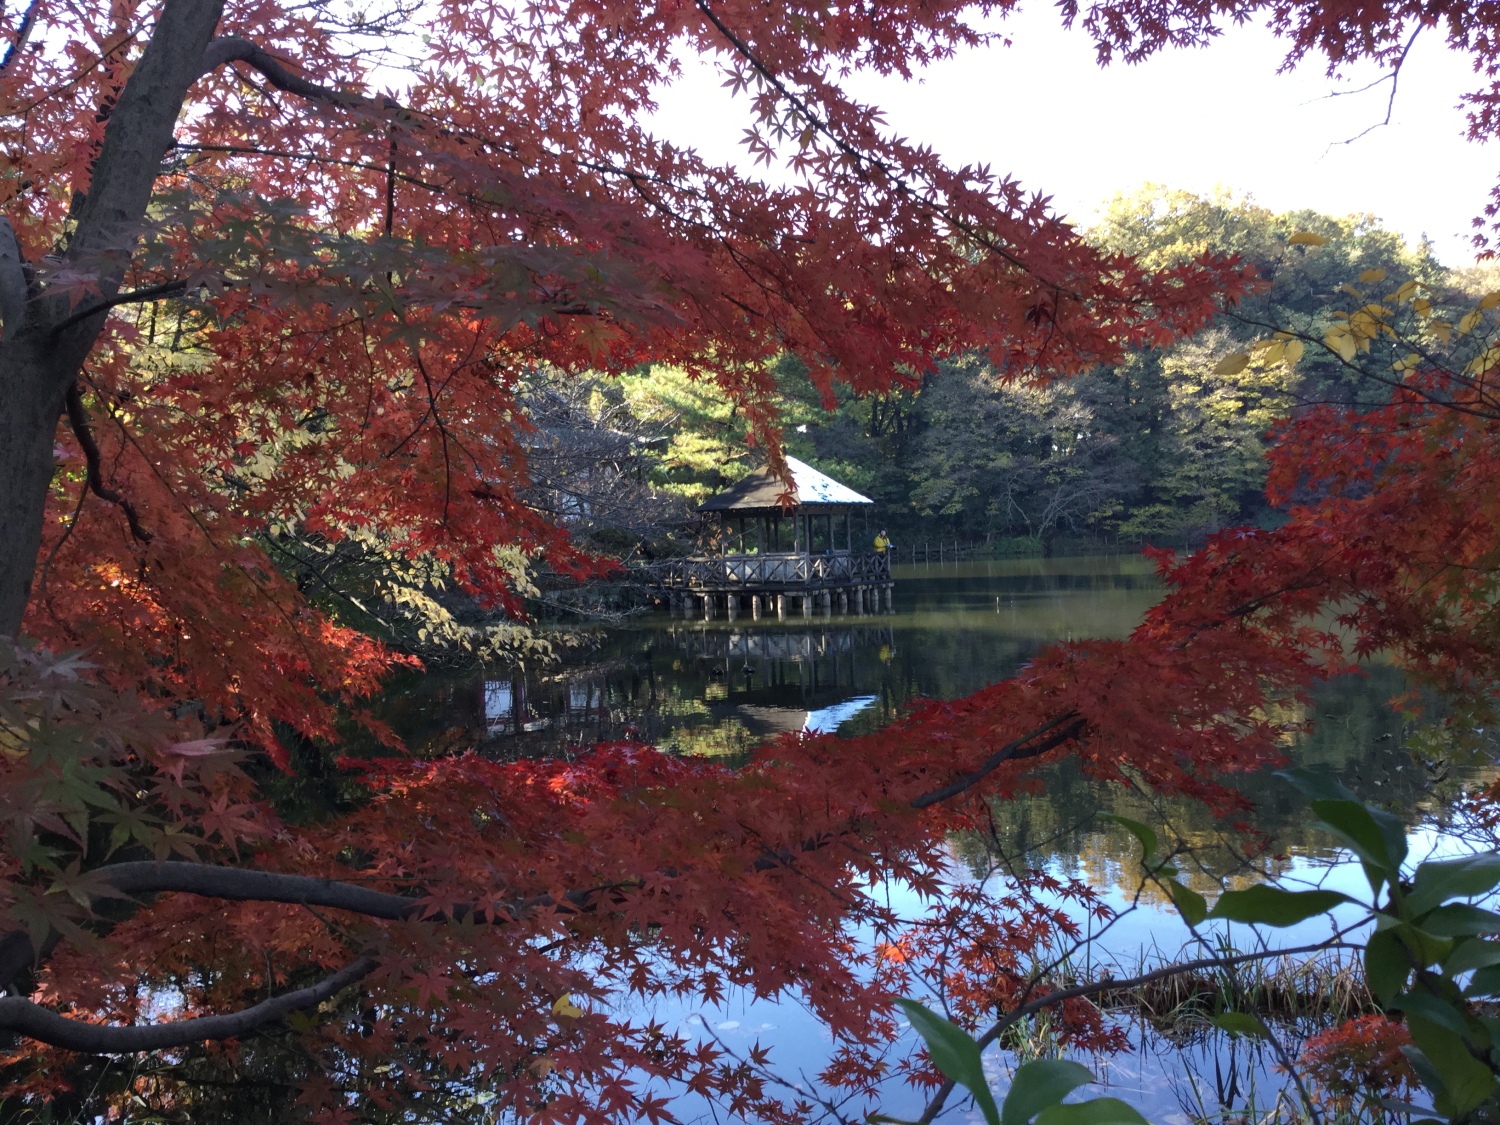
767 571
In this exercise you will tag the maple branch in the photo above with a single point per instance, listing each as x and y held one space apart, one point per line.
78 421
228 49
17 954
45 573
242 884
320 158
44 1025
238 884
133 296
1018 750
23 33
859 156
1488 413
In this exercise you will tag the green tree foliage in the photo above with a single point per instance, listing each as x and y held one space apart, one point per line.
1168 445
1010 457
704 446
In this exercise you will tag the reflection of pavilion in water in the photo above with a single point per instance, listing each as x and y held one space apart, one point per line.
762 681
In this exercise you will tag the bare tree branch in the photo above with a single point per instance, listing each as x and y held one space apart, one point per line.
240 884
23 33
35 1022
78 421
227 49
1018 750
1394 77
131 297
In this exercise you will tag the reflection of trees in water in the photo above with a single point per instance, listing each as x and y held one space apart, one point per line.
687 689
719 688
1354 734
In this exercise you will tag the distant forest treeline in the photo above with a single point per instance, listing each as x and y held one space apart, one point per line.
1165 448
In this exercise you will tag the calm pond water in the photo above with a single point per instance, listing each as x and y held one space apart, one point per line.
719 688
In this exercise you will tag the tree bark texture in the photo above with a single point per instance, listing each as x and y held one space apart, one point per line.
39 360
35 1022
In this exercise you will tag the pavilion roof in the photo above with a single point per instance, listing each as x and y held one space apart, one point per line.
762 490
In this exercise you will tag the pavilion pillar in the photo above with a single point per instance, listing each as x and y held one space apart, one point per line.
859 600
755 607
708 607
806 603
844 602
825 603
731 606
780 607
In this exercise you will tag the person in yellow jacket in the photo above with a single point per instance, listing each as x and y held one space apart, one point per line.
882 543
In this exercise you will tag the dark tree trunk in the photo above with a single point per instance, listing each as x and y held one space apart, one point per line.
41 356
29 408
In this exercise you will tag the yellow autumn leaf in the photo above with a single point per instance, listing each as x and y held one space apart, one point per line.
1489 300
1294 352
1307 238
1274 353
1353 292
564 1006
1422 306
1372 275
1483 362
1405 292
1232 364
1339 339
1407 362
1442 330
1467 324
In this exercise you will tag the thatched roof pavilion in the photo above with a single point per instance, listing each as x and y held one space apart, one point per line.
755 519
776 547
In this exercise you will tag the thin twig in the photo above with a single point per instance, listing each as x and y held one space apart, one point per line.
134 296
78 420
1393 78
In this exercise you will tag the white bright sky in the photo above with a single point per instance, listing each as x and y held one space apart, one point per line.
1043 111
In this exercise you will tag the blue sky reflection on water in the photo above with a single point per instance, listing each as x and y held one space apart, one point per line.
1169 1082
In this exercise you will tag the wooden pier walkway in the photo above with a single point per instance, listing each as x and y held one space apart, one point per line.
773 582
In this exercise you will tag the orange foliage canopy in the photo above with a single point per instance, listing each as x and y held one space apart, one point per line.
360 279
320 312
